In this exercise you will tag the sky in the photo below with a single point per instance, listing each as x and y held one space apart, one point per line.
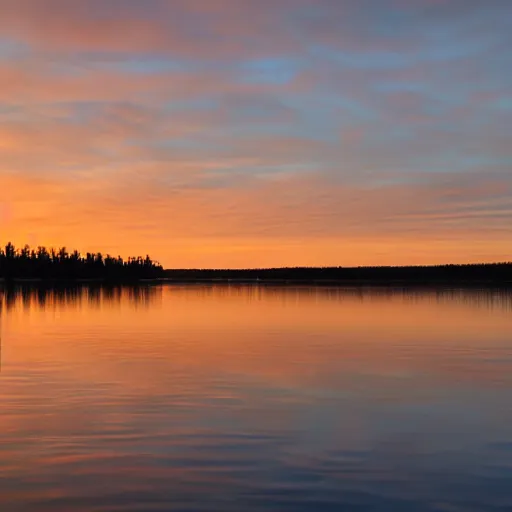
244 133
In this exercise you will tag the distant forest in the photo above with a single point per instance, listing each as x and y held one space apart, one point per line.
59 264
485 274
43 263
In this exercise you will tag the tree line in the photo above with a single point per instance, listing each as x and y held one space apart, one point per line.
485 273
43 263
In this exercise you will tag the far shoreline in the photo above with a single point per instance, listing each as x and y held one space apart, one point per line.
498 275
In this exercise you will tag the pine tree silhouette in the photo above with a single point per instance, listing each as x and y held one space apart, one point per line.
43 263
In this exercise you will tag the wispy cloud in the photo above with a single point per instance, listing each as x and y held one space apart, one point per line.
223 132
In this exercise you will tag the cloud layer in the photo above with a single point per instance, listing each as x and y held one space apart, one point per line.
238 133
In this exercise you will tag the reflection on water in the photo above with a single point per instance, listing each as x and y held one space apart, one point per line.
232 398
75 295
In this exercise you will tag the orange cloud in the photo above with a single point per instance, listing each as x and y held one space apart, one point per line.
236 133
166 26
297 221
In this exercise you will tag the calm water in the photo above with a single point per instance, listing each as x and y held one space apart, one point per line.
247 398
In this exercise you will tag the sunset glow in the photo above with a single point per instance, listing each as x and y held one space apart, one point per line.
244 133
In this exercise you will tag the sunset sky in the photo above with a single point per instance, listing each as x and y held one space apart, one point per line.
247 133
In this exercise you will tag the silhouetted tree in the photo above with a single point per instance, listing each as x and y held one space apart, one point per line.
478 274
54 263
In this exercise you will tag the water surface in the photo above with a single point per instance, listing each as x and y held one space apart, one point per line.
230 398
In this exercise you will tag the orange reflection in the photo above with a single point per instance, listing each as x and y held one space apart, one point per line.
150 387
297 335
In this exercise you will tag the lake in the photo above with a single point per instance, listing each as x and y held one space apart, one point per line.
255 398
